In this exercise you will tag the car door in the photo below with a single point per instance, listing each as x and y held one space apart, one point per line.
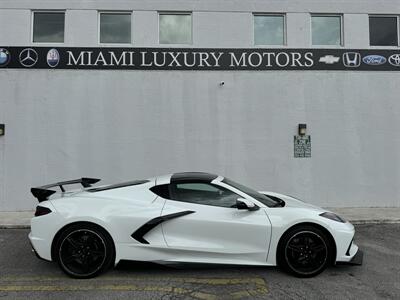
211 228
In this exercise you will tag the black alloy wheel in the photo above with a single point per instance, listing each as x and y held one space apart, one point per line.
304 251
85 251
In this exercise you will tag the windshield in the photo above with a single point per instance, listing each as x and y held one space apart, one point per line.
252 193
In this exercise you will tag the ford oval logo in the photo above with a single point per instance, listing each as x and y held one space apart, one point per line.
374 60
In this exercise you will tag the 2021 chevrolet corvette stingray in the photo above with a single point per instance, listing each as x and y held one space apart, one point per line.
185 217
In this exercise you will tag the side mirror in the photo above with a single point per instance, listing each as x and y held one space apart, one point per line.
242 203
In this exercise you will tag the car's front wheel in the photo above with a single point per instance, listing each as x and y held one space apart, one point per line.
304 251
84 250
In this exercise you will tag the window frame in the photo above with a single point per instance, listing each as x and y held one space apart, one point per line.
172 186
261 14
342 37
397 27
226 182
114 12
33 11
184 13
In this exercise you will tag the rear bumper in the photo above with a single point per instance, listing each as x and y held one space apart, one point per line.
43 230
35 252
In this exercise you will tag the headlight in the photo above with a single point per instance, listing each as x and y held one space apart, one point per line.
333 217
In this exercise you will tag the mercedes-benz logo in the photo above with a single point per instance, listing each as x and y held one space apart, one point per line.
28 57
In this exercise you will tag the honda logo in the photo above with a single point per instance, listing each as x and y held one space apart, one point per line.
351 59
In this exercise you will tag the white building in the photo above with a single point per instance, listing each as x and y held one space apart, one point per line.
65 119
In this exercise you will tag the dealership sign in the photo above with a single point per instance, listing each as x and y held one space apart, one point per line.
198 59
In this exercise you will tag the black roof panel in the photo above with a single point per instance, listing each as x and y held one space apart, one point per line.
192 176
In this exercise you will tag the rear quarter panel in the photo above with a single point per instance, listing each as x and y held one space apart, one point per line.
119 211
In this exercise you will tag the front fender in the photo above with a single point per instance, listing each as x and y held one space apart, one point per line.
282 219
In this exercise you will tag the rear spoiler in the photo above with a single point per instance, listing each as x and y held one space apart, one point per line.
42 193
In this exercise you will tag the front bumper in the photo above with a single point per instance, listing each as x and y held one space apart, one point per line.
356 260
353 256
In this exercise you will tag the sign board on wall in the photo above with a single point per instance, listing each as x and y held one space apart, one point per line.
199 59
302 146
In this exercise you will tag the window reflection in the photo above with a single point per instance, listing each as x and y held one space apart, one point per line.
115 28
175 29
48 27
326 30
268 30
383 31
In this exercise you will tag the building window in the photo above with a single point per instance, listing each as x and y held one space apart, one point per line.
175 28
269 29
383 30
326 30
115 28
48 27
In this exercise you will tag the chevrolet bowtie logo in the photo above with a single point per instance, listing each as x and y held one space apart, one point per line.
329 59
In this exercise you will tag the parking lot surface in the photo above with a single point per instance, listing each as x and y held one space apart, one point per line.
22 276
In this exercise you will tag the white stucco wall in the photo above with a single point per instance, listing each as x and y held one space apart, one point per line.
123 125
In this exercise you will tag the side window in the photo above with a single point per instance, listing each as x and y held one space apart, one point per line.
269 29
203 193
383 30
48 27
115 28
175 28
326 30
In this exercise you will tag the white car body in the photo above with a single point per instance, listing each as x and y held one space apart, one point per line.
210 234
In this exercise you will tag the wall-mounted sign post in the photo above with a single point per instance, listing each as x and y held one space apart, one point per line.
302 146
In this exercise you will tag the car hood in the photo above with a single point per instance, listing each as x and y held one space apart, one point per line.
292 202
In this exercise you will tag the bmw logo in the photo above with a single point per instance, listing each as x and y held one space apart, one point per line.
5 57
53 58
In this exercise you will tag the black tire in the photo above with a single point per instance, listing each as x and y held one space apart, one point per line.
84 250
304 251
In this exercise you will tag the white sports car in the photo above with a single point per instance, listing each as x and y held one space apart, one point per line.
185 217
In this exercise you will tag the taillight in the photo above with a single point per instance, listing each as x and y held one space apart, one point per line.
41 211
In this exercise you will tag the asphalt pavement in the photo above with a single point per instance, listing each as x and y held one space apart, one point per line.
23 276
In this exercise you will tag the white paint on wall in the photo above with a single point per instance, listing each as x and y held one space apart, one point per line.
123 125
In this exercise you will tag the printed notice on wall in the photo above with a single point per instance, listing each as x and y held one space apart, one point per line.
302 146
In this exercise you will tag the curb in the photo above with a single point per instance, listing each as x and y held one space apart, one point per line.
354 222
384 221
14 226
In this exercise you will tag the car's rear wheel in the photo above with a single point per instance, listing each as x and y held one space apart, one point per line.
304 251
84 250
